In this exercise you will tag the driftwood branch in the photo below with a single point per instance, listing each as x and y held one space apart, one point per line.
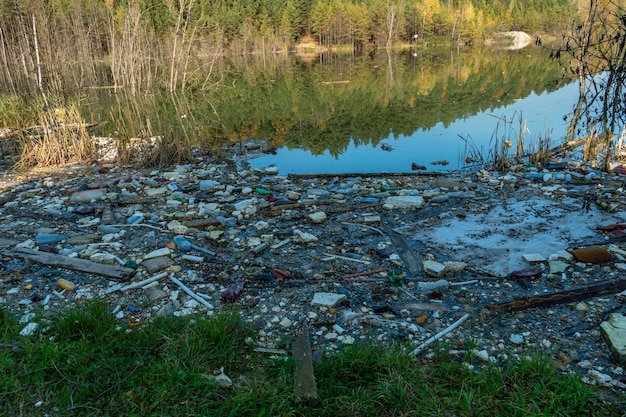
560 297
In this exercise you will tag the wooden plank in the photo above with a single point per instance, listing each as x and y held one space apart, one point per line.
304 378
76 264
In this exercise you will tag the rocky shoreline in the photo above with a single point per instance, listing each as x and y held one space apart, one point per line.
353 257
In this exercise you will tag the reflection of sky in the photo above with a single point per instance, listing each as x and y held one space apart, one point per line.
542 114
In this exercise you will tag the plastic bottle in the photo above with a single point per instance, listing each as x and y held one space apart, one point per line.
48 238
135 218
182 243
66 285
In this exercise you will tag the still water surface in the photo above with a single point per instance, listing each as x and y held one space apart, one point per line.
538 99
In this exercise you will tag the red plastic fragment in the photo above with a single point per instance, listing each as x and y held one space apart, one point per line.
281 273
617 233
529 273
612 227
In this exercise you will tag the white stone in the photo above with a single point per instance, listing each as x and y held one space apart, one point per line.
557 267
564 256
434 268
318 217
285 323
157 253
346 339
582 307
602 379
29 329
177 227
327 299
516 338
304 237
155 191
87 196
292 195
533 258
331 336
404 202
483 355
261 226
103 258
614 333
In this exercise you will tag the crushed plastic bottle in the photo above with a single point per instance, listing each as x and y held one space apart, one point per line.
182 243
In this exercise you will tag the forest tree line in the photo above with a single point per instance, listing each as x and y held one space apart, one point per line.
286 21
72 44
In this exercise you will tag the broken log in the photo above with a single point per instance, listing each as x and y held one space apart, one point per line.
76 264
562 297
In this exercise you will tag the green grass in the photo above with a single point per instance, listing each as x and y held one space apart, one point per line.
84 362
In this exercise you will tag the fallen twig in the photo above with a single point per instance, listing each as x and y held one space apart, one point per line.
160 229
347 258
192 294
441 334
366 226
360 274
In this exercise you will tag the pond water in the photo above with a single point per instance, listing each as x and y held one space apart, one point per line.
538 105
356 114
542 115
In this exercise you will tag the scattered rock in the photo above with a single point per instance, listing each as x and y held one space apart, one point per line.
614 332
327 299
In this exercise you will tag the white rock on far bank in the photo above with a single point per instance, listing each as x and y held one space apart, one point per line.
327 299
403 202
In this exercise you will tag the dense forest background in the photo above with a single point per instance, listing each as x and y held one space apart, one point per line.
72 44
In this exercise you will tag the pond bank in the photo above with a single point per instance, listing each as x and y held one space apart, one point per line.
387 257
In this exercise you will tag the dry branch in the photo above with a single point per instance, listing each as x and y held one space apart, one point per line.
560 297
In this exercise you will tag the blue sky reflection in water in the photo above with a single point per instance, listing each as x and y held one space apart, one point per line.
542 114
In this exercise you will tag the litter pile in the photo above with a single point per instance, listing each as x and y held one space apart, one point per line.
500 264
